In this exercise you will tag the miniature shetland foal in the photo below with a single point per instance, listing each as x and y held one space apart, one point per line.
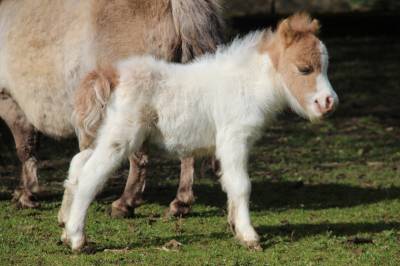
218 104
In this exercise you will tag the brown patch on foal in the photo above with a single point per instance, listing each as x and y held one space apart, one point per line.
91 99
295 53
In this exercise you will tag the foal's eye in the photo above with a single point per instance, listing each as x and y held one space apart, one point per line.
305 70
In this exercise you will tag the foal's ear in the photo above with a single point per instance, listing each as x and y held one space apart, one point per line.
286 33
315 26
296 26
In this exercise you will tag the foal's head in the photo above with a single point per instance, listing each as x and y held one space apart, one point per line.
301 61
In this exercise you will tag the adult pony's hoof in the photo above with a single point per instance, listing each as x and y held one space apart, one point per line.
178 208
121 210
24 199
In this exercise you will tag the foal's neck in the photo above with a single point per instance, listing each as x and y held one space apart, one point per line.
253 71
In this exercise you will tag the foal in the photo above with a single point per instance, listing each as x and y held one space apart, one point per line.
217 104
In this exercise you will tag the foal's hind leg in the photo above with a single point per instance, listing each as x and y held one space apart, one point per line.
70 184
114 144
132 195
26 140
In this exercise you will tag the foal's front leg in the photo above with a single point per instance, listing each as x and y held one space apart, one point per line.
235 182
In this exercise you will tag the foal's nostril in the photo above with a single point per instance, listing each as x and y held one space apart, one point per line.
329 103
325 105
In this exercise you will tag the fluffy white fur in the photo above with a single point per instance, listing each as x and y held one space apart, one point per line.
219 103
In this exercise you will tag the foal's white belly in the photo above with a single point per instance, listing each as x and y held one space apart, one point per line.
183 136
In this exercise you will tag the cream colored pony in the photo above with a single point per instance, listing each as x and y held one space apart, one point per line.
48 46
218 104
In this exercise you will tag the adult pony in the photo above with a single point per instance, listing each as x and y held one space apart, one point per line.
47 46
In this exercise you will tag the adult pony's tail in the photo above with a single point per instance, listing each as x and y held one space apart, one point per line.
199 24
90 103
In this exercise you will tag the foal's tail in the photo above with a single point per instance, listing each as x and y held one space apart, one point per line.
199 25
90 103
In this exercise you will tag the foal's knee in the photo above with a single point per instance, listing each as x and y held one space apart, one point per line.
236 187
77 163
75 170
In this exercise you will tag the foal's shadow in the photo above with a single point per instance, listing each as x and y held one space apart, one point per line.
295 232
281 195
266 194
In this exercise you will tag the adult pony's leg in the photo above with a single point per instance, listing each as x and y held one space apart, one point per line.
132 195
26 140
134 187
182 204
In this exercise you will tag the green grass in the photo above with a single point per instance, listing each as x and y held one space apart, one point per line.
323 194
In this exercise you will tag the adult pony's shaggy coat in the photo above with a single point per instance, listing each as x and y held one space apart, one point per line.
48 46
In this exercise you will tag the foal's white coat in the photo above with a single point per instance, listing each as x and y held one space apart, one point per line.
219 103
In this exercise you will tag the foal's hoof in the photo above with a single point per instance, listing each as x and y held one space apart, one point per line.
77 243
253 245
61 218
251 241
120 210
178 208
64 237
60 221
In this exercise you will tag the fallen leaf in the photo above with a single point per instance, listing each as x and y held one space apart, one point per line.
285 222
123 250
172 245
359 240
375 164
357 251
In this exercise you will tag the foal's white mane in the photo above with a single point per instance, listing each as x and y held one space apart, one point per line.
240 48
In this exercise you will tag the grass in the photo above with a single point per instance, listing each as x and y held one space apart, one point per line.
323 194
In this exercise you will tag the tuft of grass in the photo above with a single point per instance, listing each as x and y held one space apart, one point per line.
323 194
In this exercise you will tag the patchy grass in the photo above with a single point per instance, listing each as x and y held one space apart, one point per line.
323 194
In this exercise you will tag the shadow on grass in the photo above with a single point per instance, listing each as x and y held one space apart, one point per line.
295 232
266 195
290 233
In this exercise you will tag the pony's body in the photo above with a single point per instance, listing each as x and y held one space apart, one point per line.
225 93
219 103
48 46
